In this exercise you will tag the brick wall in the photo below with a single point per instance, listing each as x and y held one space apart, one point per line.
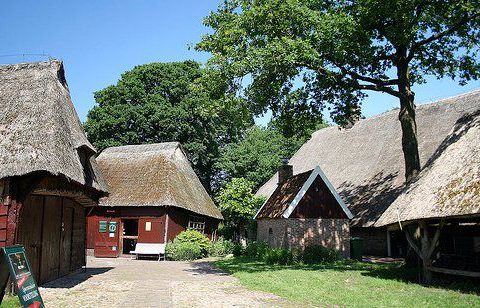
374 240
298 233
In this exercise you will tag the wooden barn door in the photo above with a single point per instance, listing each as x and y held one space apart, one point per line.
30 231
107 240
66 240
50 261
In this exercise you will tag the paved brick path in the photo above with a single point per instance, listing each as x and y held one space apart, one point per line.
141 283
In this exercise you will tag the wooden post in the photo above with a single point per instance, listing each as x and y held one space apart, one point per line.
165 235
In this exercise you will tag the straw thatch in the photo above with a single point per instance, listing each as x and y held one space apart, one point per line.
153 175
39 128
365 163
449 186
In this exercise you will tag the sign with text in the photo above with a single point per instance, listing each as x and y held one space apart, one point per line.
102 226
16 260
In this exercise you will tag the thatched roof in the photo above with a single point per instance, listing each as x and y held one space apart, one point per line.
39 128
365 163
449 185
153 175
288 195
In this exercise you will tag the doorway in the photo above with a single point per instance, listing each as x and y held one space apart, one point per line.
129 234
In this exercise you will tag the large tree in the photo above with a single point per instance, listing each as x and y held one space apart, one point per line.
333 52
259 153
162 102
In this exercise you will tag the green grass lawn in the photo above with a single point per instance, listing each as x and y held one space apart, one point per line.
10 302
352 284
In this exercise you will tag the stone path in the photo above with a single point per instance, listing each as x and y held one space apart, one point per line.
124 282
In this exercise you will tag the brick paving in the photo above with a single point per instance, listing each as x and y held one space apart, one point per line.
124 282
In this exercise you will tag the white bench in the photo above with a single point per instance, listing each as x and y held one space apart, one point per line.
149 249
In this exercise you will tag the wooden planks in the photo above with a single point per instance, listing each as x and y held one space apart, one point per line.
30 231
50 260
66 240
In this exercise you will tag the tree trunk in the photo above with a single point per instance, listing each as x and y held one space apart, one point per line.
407 120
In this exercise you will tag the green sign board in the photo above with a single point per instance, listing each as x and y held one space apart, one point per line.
112 227
102 226
15 258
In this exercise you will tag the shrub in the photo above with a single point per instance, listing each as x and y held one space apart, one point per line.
238 250
195 237
280 256
183 251
256 250
318 254
220 248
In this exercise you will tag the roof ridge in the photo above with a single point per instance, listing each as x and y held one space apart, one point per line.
419 106
28 64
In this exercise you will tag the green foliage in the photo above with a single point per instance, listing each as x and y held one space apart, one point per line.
256 249
319 254
310 255
237 202
280 256
162 102
238 250
188 245
183 251
302 55
220 248
258 155
195 237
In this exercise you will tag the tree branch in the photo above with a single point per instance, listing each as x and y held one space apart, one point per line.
440 35
378 88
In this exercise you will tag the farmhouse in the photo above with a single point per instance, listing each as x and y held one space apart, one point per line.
445 199
48 174
365 164
304 210
154 195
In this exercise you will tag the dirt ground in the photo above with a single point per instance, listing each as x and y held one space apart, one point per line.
124 282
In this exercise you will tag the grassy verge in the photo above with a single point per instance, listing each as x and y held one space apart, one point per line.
352 284
10 302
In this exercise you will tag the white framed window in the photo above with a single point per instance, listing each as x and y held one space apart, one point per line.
197 223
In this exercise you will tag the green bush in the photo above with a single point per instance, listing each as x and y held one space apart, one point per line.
195 237
238 250
280 256
183 251
318 254
256 250
188 245
220 248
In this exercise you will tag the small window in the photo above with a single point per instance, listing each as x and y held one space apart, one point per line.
148 226
196 223
270 231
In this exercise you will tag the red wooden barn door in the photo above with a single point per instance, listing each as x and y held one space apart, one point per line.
107 238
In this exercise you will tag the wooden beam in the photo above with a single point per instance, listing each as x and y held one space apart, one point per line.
454 272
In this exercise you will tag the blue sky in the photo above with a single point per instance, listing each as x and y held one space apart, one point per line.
98 40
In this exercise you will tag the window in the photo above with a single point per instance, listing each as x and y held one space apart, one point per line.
196 223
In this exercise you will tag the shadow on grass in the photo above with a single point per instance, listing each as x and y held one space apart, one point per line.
391 271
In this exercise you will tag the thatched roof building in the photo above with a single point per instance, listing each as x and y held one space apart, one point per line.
39 128
449 185
154 175
365 163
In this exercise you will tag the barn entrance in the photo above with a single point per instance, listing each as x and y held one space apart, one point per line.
130 235
52 229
